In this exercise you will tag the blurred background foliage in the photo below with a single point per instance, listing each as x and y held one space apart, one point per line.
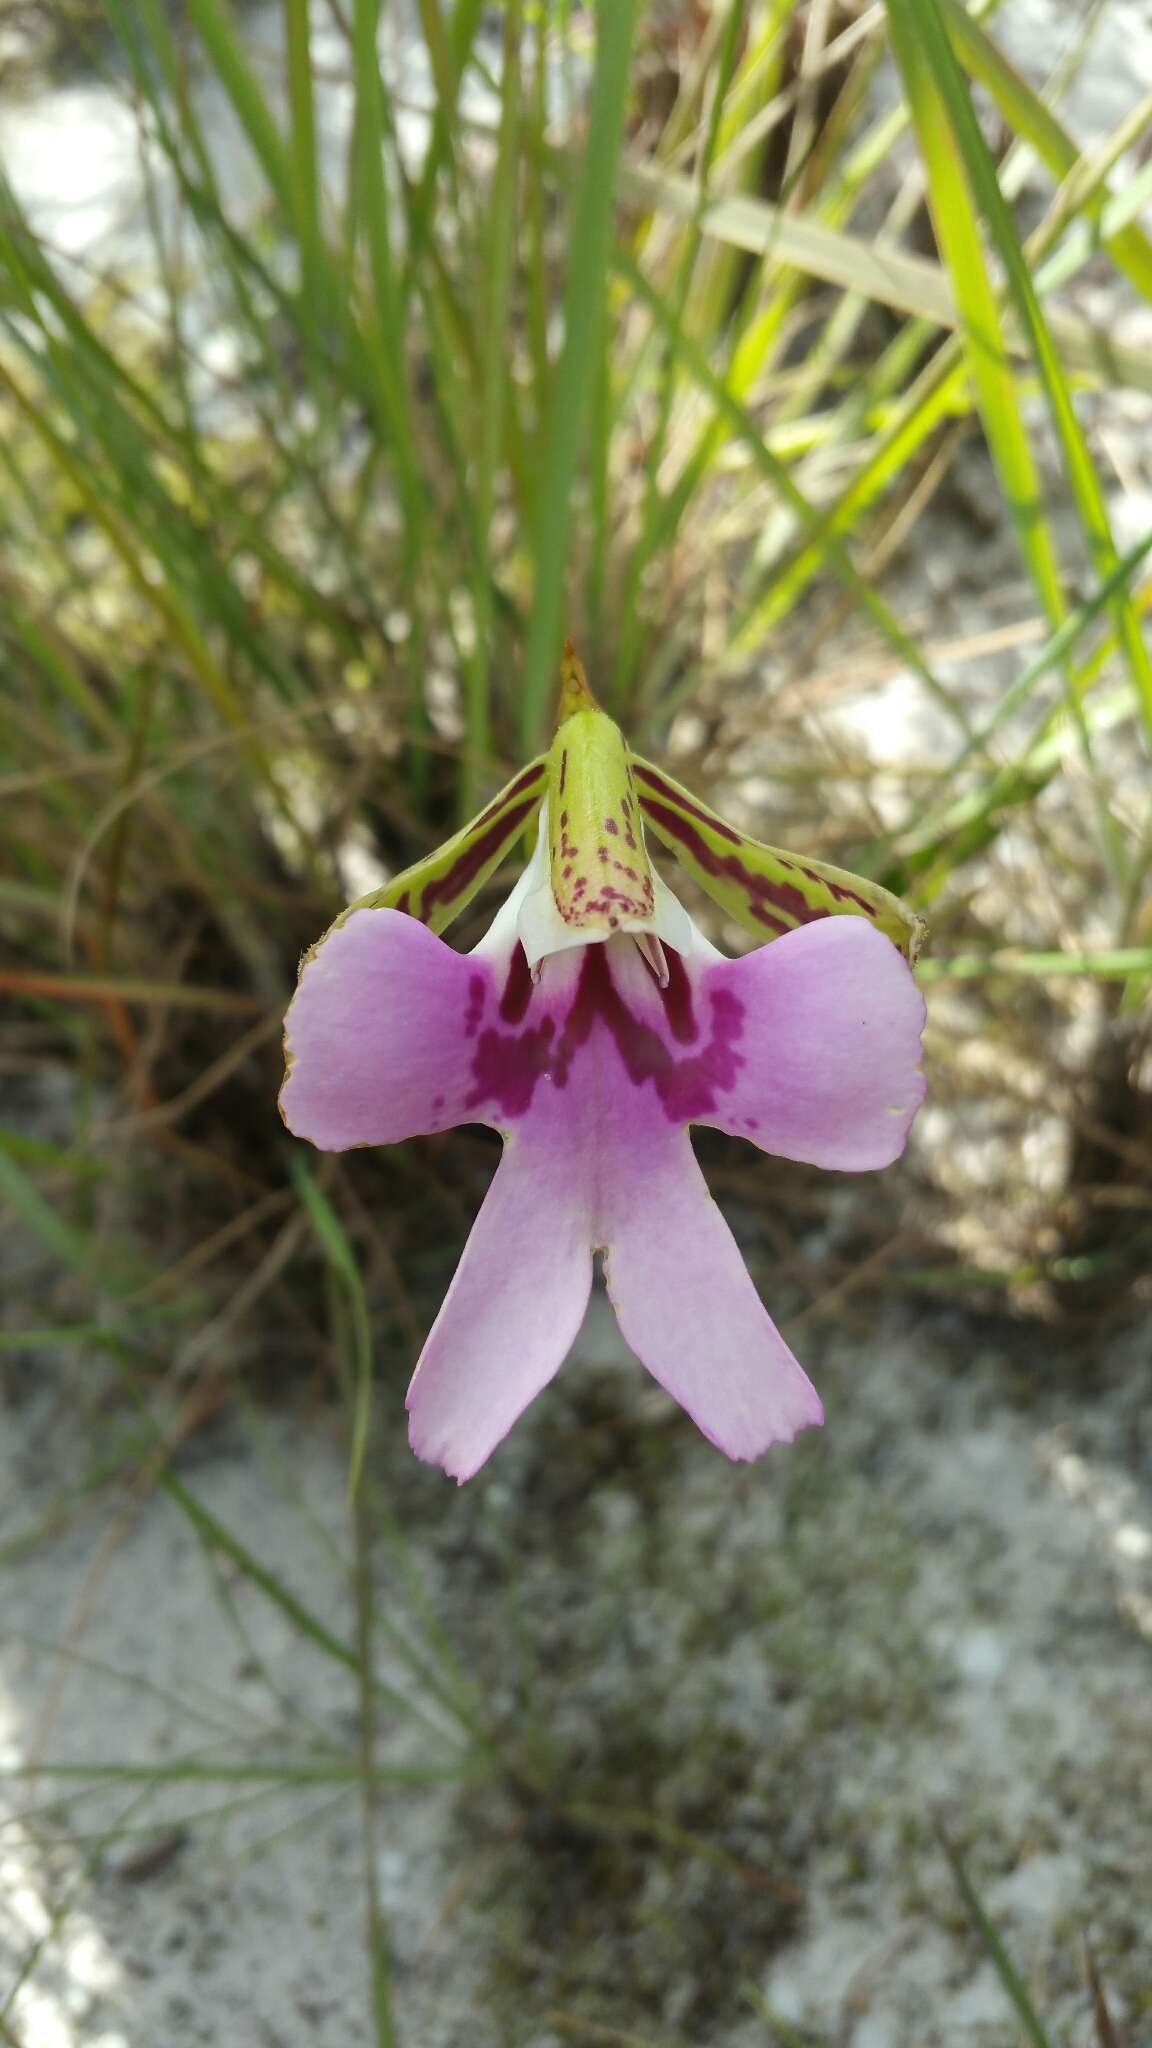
795 356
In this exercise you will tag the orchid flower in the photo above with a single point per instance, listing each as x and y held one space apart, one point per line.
591 1026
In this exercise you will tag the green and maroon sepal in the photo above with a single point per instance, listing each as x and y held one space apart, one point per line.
767 891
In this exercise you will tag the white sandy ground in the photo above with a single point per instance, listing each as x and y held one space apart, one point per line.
942 1602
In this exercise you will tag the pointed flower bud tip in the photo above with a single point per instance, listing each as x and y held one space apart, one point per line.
574 692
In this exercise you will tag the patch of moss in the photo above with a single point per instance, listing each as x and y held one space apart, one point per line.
649 1887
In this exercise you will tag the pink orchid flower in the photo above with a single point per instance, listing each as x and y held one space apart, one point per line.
591 1026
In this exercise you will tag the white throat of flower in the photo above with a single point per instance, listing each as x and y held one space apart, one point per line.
530 912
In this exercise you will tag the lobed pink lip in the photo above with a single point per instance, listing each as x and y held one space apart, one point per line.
808 1046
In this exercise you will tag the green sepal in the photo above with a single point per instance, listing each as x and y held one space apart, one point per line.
438 888
601 878
768 891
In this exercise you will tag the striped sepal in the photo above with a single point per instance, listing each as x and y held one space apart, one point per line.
765 890
438 888
601 879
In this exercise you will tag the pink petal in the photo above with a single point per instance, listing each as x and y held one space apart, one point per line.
809 1047
511 1314
688 1309
377 1035
828 1046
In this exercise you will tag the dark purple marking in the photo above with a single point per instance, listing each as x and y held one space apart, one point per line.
517 989
677 999
608 896
475 1010
528 782
840 891
785 897
464 870
669 791
507 1065
404 902
610 825
564 850
761 892
687 1087
563 773
437 1102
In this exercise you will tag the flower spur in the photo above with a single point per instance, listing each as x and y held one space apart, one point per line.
591 1026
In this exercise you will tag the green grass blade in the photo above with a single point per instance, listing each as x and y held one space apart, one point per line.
890 277
674 304
217 1538
195 1770
70 1246
949 85
342 1260
449 50
303 163
1107 2033
1032 120
1100 964
388 336
1001 1961
219 32
496 402
376 1929
819 528
986 352
1052 656
588 256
